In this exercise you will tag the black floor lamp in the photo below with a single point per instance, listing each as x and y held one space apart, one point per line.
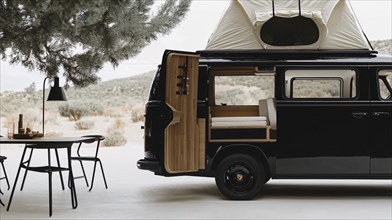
56 93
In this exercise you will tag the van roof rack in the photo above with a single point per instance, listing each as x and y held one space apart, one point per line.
286 54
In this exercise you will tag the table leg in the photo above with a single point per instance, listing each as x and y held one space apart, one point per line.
72 182
16 179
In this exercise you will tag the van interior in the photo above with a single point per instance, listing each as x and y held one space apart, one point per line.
242 105
242 99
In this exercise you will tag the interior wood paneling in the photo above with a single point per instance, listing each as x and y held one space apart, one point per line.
234 111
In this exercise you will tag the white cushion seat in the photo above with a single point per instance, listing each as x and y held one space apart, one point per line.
238 122
238 119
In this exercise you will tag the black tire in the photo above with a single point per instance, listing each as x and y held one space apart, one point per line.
240 177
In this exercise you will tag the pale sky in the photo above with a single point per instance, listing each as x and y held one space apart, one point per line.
375 17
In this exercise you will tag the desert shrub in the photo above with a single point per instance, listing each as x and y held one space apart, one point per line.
118 124
84 124
115 138
73 111
54 134
32 118
137 113
76 110
95 109
51 119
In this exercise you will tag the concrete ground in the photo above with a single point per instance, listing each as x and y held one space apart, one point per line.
137 194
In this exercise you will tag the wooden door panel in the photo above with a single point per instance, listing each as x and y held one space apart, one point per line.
181 136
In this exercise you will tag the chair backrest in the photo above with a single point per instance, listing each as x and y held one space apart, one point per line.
96 138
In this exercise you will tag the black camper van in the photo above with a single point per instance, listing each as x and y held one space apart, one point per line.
245 117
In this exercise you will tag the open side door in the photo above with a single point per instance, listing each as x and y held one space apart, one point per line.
182 135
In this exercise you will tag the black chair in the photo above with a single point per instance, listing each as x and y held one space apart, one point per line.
95 159
2 159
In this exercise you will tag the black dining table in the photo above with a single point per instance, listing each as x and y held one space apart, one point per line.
47 143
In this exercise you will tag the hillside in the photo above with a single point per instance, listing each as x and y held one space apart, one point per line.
383 46
124 93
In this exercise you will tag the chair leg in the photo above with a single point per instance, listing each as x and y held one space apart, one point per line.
25 174
1 202
84 172
5 176
84 175
92 180
103 174
58 164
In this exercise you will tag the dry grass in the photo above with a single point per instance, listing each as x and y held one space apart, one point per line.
117 125
114 139
115 136
84 125
137 113
54 134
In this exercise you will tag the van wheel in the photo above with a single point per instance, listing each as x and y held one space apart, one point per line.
240 177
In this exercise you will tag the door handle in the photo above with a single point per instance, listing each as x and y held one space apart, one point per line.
380 114
359 114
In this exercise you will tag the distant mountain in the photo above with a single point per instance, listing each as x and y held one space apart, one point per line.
383 46
124 92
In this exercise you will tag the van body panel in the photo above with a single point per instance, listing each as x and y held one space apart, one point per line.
381 126
331 138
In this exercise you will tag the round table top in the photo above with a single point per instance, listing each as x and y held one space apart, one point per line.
46 140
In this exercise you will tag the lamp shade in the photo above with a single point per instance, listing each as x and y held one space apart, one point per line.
56 92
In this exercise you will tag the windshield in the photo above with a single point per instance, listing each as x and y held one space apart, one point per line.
155 93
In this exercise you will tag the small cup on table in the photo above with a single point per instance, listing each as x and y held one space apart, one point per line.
11 130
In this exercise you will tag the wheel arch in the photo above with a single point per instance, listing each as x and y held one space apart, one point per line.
248 149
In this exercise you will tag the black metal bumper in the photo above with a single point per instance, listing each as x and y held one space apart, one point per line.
153 166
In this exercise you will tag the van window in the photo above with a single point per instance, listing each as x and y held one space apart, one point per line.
316 88
385 84
320 84
243 90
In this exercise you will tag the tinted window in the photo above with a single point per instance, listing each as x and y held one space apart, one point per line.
316 88
385 83
155 89
294 31
321 83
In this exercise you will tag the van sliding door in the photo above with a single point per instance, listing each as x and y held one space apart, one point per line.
381 121
323 120
182 135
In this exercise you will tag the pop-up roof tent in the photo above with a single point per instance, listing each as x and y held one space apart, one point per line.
289 24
